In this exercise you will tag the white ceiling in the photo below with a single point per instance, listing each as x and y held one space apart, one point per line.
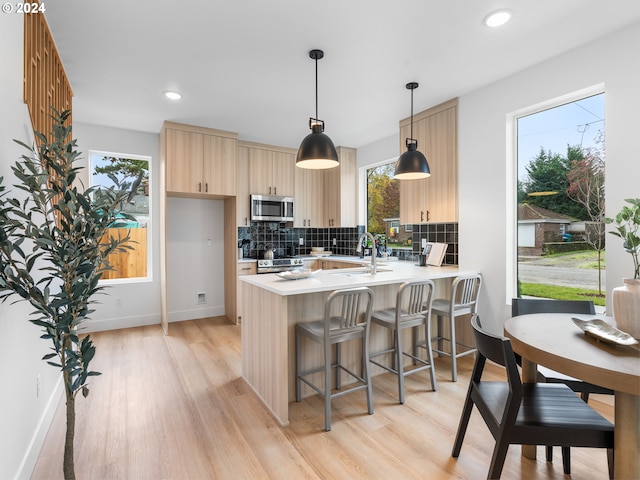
243 65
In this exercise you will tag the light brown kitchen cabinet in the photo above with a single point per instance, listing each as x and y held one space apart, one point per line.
200 161
244 268
308 210
341 191
433 199
328 264
242 186
312 263
271 169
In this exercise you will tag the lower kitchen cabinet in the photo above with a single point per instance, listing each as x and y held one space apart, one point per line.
244 268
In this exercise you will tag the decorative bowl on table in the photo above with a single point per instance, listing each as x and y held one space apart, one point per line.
601 330
317 249
297 274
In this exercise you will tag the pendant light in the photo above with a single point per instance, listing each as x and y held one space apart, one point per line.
412 164
317 150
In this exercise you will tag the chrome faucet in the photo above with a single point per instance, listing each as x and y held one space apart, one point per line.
374 266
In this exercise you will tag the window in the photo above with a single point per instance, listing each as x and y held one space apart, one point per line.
560 200
131 172
383 205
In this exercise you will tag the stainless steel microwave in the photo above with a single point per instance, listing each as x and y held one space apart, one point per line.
271 208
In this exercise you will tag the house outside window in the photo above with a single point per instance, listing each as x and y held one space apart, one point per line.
560 156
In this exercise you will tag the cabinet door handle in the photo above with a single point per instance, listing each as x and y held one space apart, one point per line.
199 187
269 190
427 215
206 187
421 216
246 224
246 268
275 190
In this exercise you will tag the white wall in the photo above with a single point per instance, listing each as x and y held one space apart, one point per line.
483 165
483 159
195 258
140 301
192 265
25 416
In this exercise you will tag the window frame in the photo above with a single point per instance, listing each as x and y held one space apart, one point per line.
511 168
149 159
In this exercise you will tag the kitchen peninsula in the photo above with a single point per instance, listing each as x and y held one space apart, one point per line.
273 305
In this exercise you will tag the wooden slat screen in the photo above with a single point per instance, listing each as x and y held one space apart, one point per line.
45 81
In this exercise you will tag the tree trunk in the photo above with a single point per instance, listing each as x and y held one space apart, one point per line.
68 466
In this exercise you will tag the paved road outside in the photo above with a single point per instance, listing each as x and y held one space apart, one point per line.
564 272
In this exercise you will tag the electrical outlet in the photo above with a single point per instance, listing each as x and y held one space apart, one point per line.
300 241
334 242
208 242
118 302
424 242
202 298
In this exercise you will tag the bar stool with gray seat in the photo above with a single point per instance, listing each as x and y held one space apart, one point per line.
412 310
351 323
463 301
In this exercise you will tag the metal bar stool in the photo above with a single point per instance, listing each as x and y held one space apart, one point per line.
463 301
412 310
353 322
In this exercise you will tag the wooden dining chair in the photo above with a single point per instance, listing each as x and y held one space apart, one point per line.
524 306
527 414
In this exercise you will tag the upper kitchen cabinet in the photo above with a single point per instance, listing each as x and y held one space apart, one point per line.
341 191
199 161
308 210
271 169
433 199
243 202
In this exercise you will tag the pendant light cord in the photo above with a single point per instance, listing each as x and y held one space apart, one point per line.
316 88
412 114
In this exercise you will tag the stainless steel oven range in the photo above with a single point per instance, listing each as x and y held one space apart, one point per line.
279 265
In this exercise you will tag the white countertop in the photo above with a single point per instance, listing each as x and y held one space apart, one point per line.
388 273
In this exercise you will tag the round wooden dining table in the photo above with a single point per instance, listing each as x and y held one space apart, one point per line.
555 341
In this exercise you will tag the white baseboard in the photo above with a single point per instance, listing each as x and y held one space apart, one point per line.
120 322
154 319
35 445
195 313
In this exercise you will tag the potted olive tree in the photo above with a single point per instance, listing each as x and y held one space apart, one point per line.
626 299
53 251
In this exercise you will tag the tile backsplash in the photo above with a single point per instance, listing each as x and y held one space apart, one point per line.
438 233
282 238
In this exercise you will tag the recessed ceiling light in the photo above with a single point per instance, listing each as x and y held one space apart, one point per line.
497 18
172 95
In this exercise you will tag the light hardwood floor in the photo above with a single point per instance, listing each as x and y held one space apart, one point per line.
176 407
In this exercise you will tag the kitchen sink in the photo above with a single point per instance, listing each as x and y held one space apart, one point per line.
351 272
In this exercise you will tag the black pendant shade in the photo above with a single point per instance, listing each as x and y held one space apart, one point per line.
317 150
412 164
